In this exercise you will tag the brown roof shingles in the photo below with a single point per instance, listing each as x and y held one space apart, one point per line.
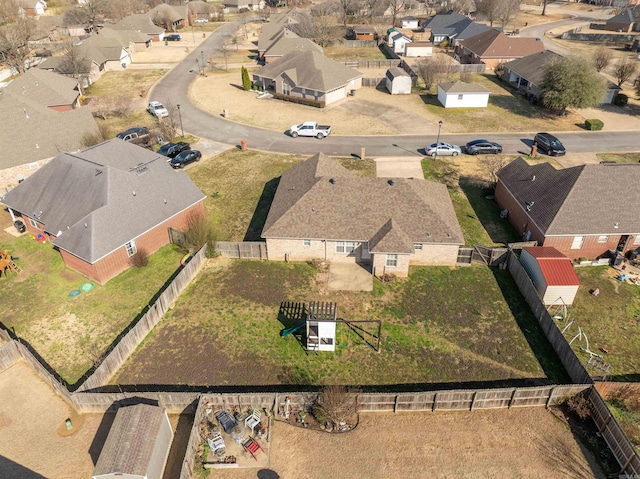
494 44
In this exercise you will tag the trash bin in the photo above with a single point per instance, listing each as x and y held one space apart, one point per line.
616 257
353 93
19 226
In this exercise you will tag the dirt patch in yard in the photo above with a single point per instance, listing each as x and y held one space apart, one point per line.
523 443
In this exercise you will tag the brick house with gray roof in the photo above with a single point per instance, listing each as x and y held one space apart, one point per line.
309 75
492 48
582 211
625 21
323 211
100 206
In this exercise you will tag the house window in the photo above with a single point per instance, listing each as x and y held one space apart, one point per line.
131 248
603 239
306 242
578 241
345 246
365 247
304 93
417 246
636 241
34 223
316 95
285 88
460 96
392 260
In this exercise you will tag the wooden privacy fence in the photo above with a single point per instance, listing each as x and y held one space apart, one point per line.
374 82
189 460
358 43
608 389
567 356
174 402
372 63
136 334
491 256
626 455
243 249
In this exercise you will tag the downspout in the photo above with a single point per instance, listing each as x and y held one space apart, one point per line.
325 250
13 218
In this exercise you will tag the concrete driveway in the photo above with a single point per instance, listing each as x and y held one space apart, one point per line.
398 167
349 277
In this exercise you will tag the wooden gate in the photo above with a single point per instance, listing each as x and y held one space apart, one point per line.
487 255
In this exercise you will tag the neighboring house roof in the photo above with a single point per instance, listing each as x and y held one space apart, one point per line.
318 198
454 25
582 200
555 267
397 36
629 16
531 67
131 441
462 87
310 69
495 44
37 132
31 3
419 44
271 33
45 87
288 44
123 37
363 29
199 7
171 12
409 19
139 23
100 198
290 15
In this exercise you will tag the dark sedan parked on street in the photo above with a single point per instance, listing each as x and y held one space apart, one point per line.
477 147
184 158
172 149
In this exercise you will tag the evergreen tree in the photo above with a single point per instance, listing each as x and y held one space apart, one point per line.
246 81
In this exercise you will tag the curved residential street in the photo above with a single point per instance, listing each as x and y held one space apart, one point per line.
174 88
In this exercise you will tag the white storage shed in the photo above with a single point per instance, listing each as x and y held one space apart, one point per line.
418 49
463 95
398 81
551 273
399 41
137 446
410 22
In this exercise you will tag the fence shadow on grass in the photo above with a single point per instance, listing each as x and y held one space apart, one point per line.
262 210
124 332
531 330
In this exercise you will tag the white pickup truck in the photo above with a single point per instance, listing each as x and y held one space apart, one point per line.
310 128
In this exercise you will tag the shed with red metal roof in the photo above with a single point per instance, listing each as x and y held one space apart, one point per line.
551 273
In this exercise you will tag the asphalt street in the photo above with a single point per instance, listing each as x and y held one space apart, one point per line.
174 88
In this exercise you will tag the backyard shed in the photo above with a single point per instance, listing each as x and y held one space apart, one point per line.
138 444
398 41
398 81
463 95
410 22
418 49
552 274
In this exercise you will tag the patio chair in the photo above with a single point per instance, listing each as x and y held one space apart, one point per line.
253 420
216 444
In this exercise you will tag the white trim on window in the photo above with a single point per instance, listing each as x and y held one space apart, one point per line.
34 223
345 246
131 248
603 238
636 241
578 241
306 242
392 261
417 246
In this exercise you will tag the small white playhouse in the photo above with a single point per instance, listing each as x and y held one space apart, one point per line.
551 273
321 326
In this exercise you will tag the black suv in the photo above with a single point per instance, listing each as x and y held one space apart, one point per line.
172 149
550 144
174 37
138 135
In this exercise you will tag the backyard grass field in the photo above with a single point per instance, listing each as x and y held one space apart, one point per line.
71 333
441 325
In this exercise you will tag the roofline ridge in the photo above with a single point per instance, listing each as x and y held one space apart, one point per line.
562 203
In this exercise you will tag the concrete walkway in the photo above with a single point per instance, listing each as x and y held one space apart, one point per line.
349 277
398 167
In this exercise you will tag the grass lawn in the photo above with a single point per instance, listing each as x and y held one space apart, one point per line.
70 333
479 217
627 413
342 54
610 320
440 325
619 157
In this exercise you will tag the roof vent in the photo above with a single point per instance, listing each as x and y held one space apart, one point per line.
26 115
85 225
448 235
391 182
616 226
332 181
534 178
529 204
134 192
165 201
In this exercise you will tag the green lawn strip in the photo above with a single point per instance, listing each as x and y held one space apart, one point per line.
610 320
69 333
240 186
232 316
629 420
619 157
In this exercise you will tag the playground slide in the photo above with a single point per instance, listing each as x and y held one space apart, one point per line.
293 329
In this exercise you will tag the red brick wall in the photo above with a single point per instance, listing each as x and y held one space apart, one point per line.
517 214
61 107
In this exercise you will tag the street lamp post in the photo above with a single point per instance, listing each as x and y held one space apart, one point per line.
202 57
438 140
180 116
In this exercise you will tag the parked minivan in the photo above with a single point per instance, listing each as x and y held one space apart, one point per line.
549 144
138 135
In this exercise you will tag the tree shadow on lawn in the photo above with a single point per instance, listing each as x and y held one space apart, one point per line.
262 210
531 330
487 211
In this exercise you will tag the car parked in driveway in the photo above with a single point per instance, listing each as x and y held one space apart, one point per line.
549 144
444 149
184 158
202 20
172 149
477 147
138 135
157 109
174 37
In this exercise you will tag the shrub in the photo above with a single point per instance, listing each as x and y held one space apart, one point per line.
200 232
594 125
579 405
246 81
620 99
140 259
335 403
301 101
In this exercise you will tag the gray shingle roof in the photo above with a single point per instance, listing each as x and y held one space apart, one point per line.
287 43
45 87
309 69
97 200
131 440
454 24
319 199
462 87
587 199
138 22
531 67
37 132
630 15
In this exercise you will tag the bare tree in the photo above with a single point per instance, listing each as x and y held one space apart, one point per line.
432 70
624 69
507 10
336 404
223 52
345 9
396 6
490 9
373 8
14 38
490 165
118 9
122 106
320 26
76 64
163 19
544 7
91 138
101 106
95 11
602 57
9 11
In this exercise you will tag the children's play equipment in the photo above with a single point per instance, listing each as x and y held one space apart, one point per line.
7 264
